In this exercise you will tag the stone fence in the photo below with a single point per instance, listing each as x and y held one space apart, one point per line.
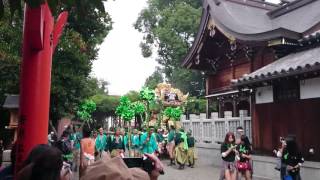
208 132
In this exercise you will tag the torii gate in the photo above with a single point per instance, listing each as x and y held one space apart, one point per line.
40 37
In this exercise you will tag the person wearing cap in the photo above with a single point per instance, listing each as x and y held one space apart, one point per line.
191 150
116 145
101 142
181 148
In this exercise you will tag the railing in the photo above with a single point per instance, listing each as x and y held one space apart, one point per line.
211 131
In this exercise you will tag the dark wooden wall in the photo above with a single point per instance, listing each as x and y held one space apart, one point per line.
220 80
241 65
300 118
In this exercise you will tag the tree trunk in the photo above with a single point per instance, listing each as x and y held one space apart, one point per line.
147 115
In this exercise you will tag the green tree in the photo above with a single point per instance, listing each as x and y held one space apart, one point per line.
85 111
147 96
10 50
195 105
153 80
88 24
125 109
173 113
171 26
139 109
133 96
106 107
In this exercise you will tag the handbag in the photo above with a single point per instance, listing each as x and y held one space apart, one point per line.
242 166
287 177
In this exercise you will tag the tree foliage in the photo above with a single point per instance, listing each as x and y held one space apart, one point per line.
170 26
88 24
85 110
133 96
138 108
106 107
106 104
195 105
125 109
147 94
173 113
153 80
10 54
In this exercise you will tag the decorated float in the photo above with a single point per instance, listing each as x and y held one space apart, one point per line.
170 101
159 108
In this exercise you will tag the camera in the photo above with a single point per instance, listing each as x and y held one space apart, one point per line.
140 162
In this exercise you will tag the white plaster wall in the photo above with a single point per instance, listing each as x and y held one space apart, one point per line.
264 95
310 88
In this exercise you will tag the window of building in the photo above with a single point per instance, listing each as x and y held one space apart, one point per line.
286 90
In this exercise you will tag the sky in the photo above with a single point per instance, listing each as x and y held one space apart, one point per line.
120 61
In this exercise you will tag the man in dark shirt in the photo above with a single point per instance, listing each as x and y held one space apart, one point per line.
240 132
116 145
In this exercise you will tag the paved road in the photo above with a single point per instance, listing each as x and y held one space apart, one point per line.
201 171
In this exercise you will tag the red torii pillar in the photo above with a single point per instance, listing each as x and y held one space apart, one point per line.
40 37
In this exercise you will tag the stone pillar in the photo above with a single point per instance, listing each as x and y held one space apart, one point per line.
220 105
208 108
234 110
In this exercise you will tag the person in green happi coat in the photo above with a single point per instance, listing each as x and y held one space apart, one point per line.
148 142
171 145
181 150
128 142
191 149
101 142
136 143
116 144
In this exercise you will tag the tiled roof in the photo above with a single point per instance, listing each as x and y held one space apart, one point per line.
11 102
254 21
295 63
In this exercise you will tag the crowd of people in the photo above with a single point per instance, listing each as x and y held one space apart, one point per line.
91 153
87 151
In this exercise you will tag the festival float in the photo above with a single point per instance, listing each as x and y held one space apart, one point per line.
159 108
170 104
